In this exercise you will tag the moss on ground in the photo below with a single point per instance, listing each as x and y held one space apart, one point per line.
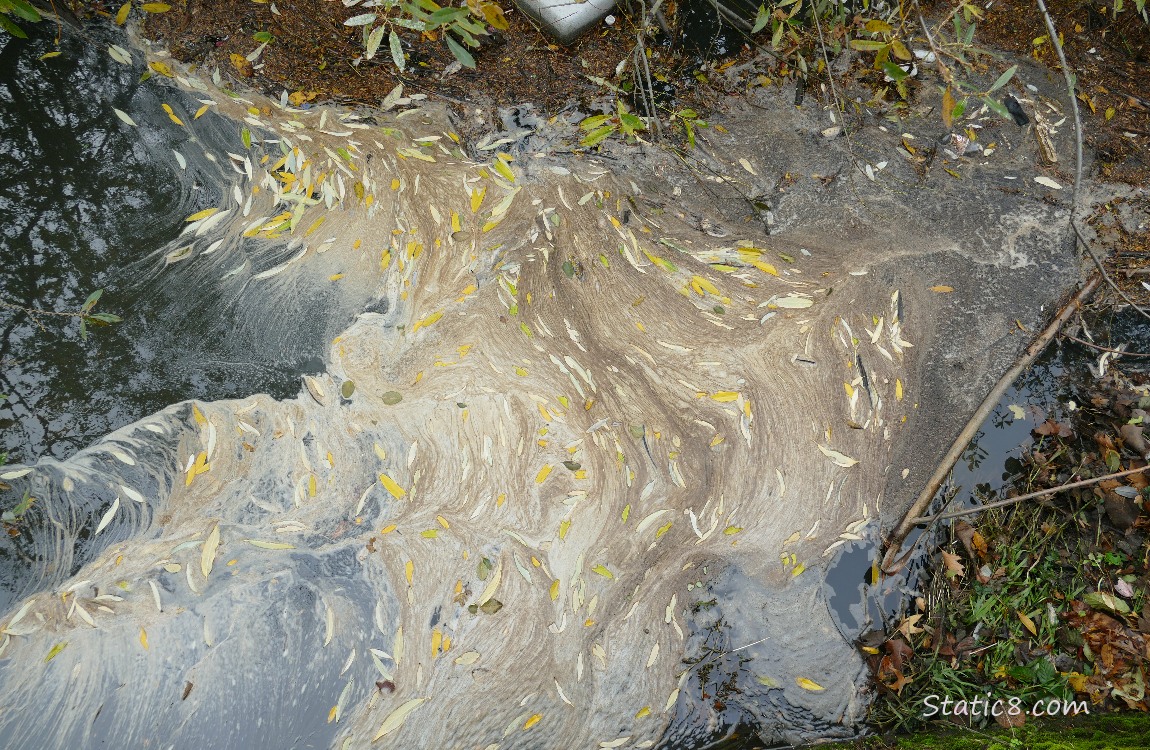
1098 732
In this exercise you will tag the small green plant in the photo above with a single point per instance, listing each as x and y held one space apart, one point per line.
85 314
20 9
690 120
458 26
87 317
601 127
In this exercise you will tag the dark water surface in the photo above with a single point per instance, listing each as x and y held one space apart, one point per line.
84 200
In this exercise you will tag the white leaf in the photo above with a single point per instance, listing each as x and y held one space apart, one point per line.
794 303
373 41
363 19
396 718
1017 411
396 50
208 553
107 519
124 116
838 458
1048 182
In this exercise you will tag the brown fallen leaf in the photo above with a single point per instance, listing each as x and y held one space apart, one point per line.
909 626
954 566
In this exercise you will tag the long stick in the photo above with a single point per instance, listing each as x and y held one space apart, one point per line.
1029 496
894 541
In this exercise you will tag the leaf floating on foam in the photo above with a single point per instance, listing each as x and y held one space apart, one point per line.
839 459
201 214
107 519
269 545
603 571
392 486
55 651
810 685
396 718
208 553
794 303
535 719
725 396
391 398
541 477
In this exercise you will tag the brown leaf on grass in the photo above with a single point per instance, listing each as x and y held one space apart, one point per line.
954 567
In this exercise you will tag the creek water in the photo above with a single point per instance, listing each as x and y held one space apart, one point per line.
88 201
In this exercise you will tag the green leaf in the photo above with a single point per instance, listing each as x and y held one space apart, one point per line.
595 137
24 10
93 298
594 121
262 36
396 50
462 55
631 123
106 318
246 137
1004 78
894 71
761 19
867 45
998 108
959 109
7 24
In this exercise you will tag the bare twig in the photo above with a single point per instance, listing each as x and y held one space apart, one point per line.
1028 496
894 541
1092 345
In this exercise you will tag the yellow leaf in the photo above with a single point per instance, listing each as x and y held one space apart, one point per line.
200 112
564 527
603 571
554 590
1028 623
542 475
396 718
765 267
391 486
331 714
427 321
409 571
504 170
122 14
388 529
700 285
664 529
942 289
898 389
811 685
335 277
55 650
477 198
532 721
455 225
144 638
725 396
731 530
196 217
155 7
162 68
